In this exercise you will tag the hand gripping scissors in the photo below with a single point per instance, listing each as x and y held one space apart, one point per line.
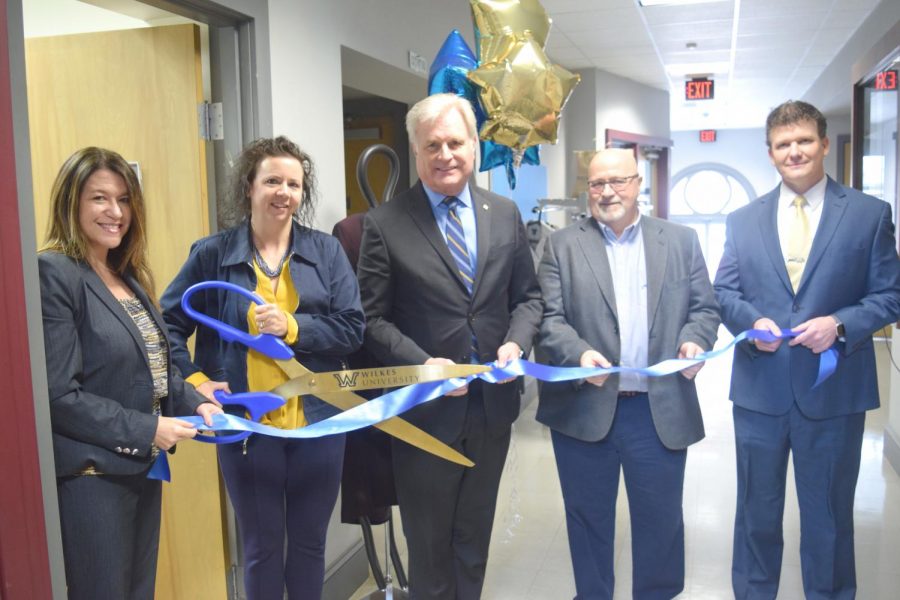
334 387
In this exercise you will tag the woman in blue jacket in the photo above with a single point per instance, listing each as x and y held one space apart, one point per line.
312 302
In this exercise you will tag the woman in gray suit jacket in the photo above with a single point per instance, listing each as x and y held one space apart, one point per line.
113 390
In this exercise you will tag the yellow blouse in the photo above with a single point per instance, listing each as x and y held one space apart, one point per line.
262 373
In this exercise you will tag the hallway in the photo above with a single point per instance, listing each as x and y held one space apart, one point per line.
529 552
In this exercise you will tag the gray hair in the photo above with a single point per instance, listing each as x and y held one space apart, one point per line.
429 109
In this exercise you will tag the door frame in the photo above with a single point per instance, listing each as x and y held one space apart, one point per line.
31 559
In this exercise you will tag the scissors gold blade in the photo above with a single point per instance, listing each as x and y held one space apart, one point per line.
335 387
365 379
329 390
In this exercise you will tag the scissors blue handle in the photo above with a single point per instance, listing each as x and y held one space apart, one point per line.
255 403
265 343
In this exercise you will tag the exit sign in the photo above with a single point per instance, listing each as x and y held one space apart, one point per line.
886 80
707 135
699 89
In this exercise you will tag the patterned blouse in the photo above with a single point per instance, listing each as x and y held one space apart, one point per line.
157 352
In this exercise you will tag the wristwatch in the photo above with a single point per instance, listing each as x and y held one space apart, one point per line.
841 332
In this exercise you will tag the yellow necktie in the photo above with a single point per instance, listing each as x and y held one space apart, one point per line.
799 242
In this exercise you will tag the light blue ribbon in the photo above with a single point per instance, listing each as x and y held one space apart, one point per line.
401 400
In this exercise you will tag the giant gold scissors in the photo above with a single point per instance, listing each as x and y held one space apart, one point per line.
337 388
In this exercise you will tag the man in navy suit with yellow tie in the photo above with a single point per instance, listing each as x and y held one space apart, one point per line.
819 258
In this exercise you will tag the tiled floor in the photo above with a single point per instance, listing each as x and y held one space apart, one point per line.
529 557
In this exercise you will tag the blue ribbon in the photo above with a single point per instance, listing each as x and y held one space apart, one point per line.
401 400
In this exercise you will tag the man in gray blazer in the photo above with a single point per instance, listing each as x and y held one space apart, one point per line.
446 275
624 289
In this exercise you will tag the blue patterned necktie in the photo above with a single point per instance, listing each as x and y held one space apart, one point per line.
456 242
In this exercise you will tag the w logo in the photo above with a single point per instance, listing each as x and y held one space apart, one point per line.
346 380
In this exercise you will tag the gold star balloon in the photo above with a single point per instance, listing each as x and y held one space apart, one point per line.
496 20
522 94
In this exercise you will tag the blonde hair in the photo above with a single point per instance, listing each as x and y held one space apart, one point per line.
64 233
430 108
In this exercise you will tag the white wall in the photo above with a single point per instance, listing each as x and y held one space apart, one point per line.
741 149
629 106
605 101
305 47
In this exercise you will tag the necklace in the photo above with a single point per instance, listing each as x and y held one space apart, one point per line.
265 268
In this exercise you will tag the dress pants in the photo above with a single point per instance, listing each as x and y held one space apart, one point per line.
654 481
110 535
280 486
448 510
826 456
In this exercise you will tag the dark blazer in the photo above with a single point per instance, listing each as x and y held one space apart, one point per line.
328 315
417 306
581 314
101 389
852 272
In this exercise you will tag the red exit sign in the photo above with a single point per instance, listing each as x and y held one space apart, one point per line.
886 80
707 135
699 89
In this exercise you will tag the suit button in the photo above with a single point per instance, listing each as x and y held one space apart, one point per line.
118 449
616 329
134 451
796 308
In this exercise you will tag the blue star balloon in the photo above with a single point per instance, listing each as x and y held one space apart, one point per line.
494 155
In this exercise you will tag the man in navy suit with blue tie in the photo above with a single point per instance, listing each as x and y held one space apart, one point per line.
446 276
819 258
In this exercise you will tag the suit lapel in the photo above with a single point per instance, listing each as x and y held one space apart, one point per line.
835 204
420 212
593 246
768 231
481 208
96 285
656 253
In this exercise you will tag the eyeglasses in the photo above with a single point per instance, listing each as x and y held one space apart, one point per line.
618 183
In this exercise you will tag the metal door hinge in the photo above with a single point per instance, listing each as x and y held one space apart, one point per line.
212 126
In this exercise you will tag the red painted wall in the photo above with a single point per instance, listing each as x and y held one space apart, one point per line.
24 566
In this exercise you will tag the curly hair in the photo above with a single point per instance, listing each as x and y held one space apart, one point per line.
64 233
237 206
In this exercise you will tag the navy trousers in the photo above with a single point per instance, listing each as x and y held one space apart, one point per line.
654 481
448 509
110 535
826 456
283 486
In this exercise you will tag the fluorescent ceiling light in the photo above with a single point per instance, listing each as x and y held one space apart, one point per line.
698 68
675 2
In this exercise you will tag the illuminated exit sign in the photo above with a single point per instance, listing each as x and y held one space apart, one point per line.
886 80
699 89
707 135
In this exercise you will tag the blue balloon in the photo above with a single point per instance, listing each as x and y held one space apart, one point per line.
494 155
448 75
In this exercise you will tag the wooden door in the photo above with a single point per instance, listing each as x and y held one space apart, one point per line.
136 92
359 135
